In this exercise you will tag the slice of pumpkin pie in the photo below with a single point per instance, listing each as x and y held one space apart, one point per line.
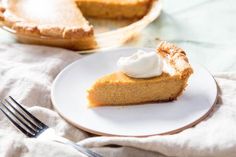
144 77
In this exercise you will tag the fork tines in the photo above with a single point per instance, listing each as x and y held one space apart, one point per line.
21 118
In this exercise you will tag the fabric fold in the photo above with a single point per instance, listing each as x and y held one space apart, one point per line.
27 73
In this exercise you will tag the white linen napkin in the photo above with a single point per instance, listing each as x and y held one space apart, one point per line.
27 72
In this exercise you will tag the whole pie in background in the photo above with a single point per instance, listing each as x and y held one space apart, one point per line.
64 19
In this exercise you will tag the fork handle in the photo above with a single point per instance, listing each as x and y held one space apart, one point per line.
49 134
81 149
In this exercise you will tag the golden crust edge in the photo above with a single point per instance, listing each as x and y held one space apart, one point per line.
26 28
51 31
176 57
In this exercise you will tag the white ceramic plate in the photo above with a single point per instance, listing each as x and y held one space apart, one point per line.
69 98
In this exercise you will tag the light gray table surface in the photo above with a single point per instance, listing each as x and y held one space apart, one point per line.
206 29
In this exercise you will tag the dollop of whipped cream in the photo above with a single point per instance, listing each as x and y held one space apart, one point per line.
141 64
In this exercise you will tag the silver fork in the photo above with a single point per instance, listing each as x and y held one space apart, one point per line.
33 127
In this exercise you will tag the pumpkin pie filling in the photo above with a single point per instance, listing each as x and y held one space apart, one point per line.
114 8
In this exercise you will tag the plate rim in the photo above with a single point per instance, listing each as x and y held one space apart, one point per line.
72 122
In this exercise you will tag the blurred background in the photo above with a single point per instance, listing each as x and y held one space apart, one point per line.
204 28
